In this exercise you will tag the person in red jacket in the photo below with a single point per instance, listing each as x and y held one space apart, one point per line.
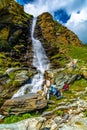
66 86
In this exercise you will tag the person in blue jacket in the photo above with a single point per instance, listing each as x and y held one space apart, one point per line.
55 91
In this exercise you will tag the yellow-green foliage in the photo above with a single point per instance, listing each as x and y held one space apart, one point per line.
2 3
4 61
15 64
47 26
4 33
8 110
14 13
12 76
78 52
11 80
2 55
65 36
79 85
59 112
18 48
85 113
16 83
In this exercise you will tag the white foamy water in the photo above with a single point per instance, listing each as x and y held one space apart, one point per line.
40 62
21 91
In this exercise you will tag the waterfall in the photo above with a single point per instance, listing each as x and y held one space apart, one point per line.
40 62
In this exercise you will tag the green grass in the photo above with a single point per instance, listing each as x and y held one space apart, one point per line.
14 118
59 112
85 113
79 85
78 53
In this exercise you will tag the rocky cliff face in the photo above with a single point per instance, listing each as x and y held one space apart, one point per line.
55 38
14 32
54 32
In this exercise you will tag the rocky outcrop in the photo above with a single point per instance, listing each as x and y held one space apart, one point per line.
55 38
23 104
11 80
15 39
55 33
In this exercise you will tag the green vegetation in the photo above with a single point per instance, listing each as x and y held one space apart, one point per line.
78 53
76 87
79 85
13 118
59 112
16 83
85 113
4 61
8 110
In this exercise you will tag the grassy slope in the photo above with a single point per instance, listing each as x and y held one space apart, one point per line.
78 53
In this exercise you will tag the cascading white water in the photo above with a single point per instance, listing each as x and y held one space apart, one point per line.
40 62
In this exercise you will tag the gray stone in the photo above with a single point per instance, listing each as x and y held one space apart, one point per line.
23 104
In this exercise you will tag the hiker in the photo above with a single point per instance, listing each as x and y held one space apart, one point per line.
74 63
59 94
55 91
66 86
46 86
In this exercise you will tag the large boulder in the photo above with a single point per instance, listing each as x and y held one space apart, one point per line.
23 104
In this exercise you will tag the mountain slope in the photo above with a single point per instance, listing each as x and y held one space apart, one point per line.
54 32
15 37
56 39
